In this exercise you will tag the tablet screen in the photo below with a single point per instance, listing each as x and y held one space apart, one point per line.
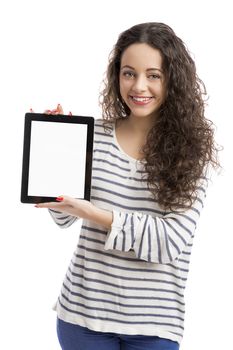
57 157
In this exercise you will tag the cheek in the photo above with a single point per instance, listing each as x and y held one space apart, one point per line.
161 91
124 88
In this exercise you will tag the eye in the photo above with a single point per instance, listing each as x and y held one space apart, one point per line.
154 76
128 74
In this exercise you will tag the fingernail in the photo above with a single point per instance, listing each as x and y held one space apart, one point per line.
59 199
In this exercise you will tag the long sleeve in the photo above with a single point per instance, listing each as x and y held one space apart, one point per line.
156 239
61 219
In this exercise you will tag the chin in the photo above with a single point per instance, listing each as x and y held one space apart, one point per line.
144 114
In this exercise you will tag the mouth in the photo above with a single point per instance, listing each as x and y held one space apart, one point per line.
141 100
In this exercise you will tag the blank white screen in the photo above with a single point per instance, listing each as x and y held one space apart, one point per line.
57 159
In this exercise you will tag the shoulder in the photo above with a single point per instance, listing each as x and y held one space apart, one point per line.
103 128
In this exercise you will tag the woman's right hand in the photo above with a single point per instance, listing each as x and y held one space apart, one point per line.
57 110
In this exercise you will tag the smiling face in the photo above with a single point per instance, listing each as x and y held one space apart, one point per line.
142 80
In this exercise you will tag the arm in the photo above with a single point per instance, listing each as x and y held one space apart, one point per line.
67 210
155 239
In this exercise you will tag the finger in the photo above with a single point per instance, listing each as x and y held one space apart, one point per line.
55 112
67 201
47 111
60 199
60 109
47 205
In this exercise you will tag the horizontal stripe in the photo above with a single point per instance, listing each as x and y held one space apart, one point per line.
110 163
118 320
120 277
98 281
91 239
112 155
122 313
124 268
82 237
117 194
106 143
178 268
124 296
120 205
93 229
80 295
184 261
120 184
106 171
102 134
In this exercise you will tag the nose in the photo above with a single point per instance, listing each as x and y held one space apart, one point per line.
140 84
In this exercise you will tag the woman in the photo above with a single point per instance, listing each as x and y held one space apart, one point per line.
124 288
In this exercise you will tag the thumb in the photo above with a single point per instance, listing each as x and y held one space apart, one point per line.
60 109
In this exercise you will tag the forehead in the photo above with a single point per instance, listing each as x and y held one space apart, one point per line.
141 55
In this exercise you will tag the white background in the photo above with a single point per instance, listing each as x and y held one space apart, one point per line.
56 52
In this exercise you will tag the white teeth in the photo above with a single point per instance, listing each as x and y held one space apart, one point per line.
141 99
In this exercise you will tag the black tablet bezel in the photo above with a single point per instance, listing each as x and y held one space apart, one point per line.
29 117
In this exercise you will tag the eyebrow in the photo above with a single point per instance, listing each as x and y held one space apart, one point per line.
149 69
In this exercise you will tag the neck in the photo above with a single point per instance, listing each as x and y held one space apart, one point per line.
140 126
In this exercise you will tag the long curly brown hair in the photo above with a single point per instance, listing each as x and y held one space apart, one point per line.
180 144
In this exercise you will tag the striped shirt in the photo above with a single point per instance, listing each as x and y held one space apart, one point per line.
130 279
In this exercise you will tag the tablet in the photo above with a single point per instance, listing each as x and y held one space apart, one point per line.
57 157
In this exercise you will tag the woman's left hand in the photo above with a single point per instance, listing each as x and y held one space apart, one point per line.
80 208
71 206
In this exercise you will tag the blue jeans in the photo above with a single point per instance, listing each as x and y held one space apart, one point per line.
74 337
